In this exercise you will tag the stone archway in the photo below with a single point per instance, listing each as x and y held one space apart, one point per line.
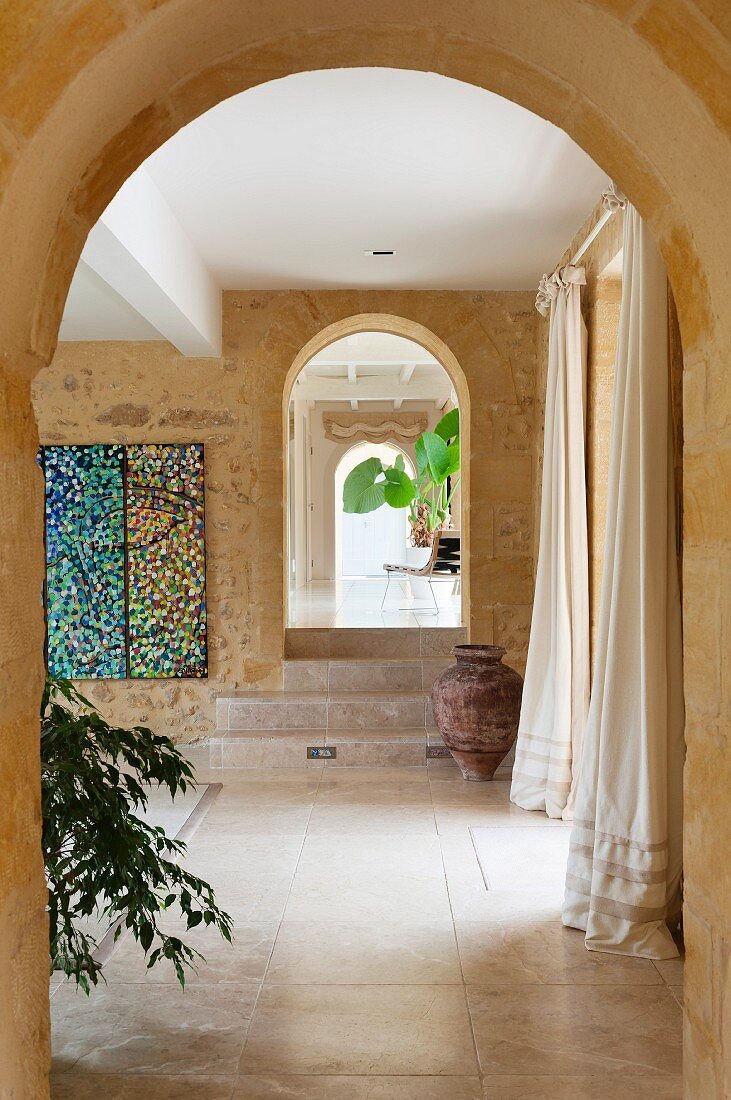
91 89
412 330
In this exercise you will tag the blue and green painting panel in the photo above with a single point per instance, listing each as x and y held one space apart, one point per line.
166 568
125 561
85 603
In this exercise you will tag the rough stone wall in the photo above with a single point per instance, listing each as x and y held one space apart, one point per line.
147 392
24 1022
644 86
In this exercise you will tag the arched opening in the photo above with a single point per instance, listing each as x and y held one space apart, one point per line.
87 119
361 543
403 350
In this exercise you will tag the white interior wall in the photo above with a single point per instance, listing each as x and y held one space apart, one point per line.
326 454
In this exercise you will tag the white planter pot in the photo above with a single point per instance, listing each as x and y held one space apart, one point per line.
417 556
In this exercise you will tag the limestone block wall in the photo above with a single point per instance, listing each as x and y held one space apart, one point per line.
142 391
642 85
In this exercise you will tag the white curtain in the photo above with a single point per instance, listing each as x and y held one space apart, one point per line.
624 869
556 689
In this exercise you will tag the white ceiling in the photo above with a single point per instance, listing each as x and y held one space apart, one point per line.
373 353
374 366
288 184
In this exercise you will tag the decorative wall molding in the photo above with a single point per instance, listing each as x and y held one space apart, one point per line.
374 427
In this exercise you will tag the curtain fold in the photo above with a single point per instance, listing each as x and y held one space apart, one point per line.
624 868
556 689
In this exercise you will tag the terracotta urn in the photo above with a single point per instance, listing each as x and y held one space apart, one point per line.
477 707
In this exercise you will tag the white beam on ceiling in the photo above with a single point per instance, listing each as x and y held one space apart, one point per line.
376 389
406 372
354 404
139 248
322 361
398 403
352 373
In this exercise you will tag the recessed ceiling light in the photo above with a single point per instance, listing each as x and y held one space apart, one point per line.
379 252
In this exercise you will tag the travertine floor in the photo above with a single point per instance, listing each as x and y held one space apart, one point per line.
352 602
372 963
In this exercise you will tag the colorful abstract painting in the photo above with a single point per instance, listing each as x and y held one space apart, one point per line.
85 600
125 561
166 569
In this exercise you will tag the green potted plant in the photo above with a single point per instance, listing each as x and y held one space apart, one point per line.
427 496
101 858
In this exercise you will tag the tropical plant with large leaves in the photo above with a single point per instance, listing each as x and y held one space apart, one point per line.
104 863
427 496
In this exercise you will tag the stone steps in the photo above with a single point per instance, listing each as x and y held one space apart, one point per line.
362 674
352 748
341 710
360 697
397 643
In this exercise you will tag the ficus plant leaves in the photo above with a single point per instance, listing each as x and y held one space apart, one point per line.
101 857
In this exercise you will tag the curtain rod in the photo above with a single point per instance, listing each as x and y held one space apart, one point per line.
612 201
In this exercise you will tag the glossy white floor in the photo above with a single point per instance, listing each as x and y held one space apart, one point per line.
372 963
356 602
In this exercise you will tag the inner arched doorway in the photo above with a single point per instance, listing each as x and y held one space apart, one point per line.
87 99
402 342
361 543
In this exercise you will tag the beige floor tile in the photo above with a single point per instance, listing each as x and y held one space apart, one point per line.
472 901
460 805
526 952
582 1088
358 819
576 1030
253 820
671 970
151 1029
357 878
226 855
360 1029
388 781
254 897
240 793
339 1087
387 854
251 875
357 896
458 820
244 960
340 953
137 1086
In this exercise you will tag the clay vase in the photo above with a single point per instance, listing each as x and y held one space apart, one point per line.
477 707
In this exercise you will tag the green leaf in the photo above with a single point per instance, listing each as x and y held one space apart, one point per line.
400 463
361 492
422 460
453 458
399 488
448 426
437 456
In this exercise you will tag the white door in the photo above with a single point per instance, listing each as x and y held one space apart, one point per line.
371 540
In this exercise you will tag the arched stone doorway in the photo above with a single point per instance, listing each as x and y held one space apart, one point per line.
418 333
91 91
